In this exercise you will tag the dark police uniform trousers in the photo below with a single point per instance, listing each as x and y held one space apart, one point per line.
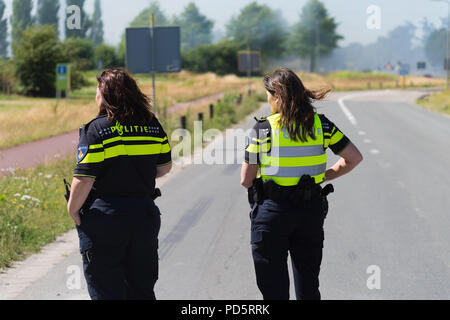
120 251
278 228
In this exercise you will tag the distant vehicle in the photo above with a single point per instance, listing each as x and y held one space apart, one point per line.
428 75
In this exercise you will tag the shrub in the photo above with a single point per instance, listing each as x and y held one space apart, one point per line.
35 58
7 78
79 51
220 58
107 54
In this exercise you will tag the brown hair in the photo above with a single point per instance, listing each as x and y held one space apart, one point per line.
295 103
122 99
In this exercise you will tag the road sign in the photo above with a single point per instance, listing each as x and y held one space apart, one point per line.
63 77
421 65
403 69
447 64
165 54
249 61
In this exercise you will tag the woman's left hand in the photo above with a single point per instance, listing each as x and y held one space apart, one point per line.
76 218
81 186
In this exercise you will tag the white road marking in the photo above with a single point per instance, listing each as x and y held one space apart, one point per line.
361 133
367 141
374 151
346 111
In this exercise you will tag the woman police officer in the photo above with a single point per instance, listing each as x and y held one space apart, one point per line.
120 154
288 150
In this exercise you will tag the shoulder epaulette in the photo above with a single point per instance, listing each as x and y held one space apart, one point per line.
261 119
86 126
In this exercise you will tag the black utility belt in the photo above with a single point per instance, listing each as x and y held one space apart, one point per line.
154 196
305 191
276 192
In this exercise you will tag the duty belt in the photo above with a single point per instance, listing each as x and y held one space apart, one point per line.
305 191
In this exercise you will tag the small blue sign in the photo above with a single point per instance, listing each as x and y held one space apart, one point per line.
62 70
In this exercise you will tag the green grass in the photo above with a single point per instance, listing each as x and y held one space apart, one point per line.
44 120
354 75
439 102
32 210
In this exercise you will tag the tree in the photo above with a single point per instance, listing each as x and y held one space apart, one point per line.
315 34
259 27
35 58
107 54
86 23
143 18
97 24
219 58
21 19
79 52
196 29
7 77
3 31
47 13
398 45
436 47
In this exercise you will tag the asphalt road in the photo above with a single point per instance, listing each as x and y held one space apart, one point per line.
390 215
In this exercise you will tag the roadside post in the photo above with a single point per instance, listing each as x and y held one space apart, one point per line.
403 72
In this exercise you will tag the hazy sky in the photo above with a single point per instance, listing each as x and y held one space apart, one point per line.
350 14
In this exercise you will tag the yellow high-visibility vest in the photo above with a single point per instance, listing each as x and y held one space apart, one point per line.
287 160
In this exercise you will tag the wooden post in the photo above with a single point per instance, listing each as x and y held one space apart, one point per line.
211 111
183 122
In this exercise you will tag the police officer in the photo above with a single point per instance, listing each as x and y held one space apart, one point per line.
287 151
120 154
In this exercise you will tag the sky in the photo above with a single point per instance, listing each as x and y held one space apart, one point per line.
351 15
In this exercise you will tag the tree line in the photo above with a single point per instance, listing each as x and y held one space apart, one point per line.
36 47
257 27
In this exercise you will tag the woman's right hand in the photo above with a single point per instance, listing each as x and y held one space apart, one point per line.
351 157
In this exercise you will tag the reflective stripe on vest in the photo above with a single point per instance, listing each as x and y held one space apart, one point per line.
289 160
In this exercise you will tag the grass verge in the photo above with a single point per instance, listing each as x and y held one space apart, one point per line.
351 81
27 119
439 102
32 209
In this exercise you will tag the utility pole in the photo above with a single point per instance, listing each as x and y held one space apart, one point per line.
448 45
317 45
152 34
249 71
447 56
